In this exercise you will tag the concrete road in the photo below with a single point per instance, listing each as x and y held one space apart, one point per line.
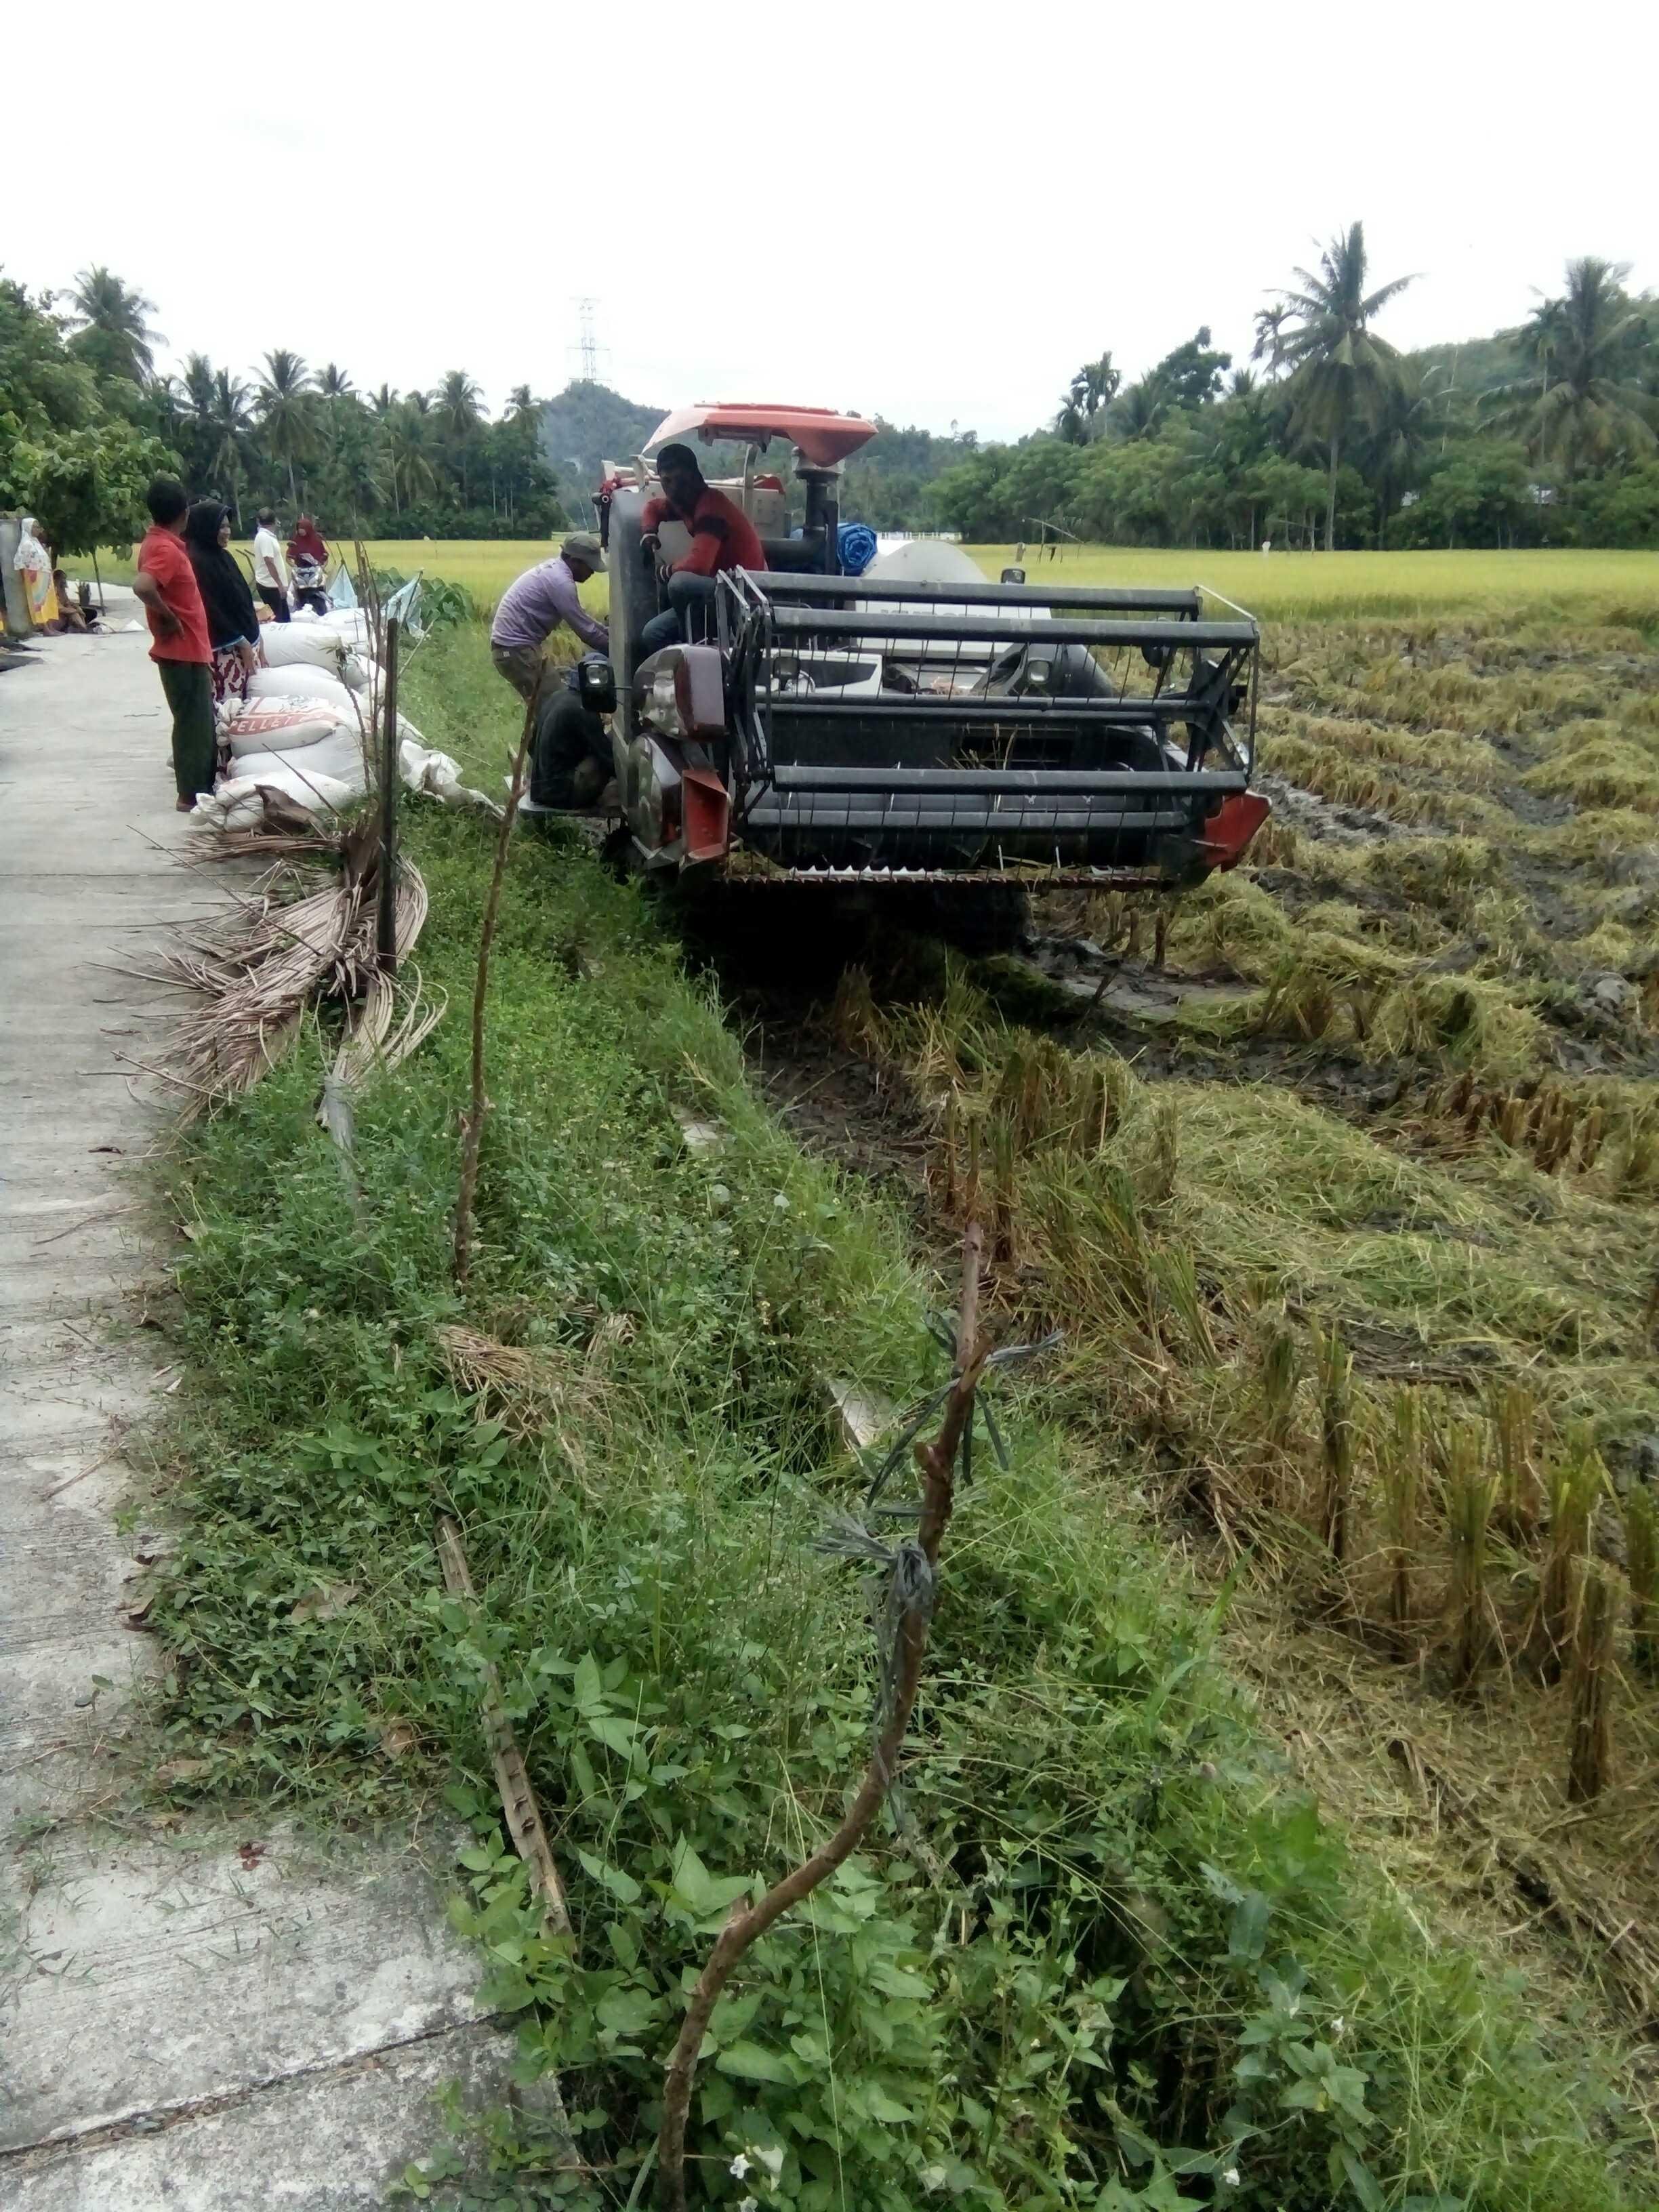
183 2021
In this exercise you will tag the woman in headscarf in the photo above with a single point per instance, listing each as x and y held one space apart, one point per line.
308 556
33 564
232 625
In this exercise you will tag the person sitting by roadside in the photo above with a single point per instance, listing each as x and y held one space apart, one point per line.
307 553
270 569
232 618
536 603
72 616
722 537
165 586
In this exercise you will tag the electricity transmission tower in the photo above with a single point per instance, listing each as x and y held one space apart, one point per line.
587 350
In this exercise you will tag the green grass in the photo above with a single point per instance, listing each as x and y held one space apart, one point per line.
1151 1954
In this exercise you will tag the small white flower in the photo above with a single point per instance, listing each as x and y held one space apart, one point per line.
739 2168
1230 2177
781 1203
1338 2025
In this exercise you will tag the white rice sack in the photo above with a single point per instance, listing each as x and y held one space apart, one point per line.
356 670
301 682
281 725
236 804
349 622
439 777
337 757
287 644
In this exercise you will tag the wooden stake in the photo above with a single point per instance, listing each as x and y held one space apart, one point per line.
523 1814
524 1818
473 1120
937 1461
386 919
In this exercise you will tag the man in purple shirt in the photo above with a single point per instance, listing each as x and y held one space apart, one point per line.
534 607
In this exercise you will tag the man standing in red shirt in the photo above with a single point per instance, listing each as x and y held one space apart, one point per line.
166 584
722 537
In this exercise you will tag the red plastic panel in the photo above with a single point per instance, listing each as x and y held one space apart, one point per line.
822 436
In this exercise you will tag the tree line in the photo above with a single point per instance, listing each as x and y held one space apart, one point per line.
1330 436
86 419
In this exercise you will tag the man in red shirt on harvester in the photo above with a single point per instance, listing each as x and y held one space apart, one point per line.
166 584
722 537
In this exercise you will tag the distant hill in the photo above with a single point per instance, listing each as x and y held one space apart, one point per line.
1474 364
589 424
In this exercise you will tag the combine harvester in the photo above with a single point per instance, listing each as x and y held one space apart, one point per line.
916 726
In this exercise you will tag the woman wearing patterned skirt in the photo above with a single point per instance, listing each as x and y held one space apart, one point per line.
233 622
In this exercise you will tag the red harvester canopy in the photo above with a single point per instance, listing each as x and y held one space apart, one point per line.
822 436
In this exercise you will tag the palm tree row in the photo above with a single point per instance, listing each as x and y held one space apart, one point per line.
1334 388
315 437
311 437
1578 404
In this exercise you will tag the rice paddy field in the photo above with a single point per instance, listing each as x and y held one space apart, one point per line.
1345 1188
1274 584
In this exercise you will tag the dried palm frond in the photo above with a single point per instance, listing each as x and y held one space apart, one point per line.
275 956
372 1045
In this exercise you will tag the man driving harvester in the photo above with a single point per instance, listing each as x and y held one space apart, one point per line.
722 537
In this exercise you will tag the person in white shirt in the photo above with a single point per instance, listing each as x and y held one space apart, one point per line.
270 569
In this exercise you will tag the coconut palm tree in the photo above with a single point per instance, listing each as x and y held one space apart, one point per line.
407 435
114 330
455 404
522 403
172 406
1341 373
1394 442
230 424
285 394
1270 325
197 437
199 385
382 402
352 461
1092 390
1587 404
333 383
455 401
1137 413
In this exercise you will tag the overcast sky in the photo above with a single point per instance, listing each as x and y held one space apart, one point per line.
933 212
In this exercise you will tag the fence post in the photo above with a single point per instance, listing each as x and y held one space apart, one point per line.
385 932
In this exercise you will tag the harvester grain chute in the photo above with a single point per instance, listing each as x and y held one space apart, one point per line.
917 724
